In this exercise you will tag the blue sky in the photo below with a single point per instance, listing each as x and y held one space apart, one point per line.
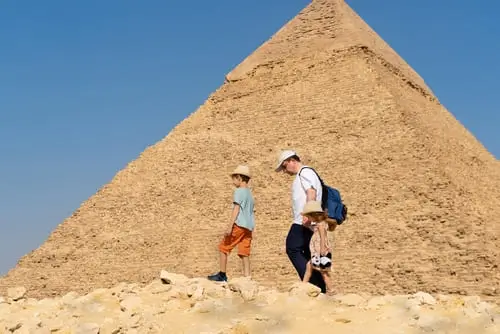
86 86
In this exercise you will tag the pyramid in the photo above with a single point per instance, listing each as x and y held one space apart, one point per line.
423 193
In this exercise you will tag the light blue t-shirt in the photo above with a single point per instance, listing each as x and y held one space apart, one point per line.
243 197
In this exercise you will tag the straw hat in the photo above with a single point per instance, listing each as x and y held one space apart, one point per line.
312 207
242 170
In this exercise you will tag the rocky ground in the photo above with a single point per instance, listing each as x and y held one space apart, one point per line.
177 304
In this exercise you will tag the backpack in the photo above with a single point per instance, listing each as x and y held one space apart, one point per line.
331 201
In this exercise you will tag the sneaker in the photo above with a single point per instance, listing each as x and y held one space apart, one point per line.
219 277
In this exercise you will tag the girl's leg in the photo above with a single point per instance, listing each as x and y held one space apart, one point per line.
328 282
308 273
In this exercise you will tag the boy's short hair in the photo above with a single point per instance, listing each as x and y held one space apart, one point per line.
243 178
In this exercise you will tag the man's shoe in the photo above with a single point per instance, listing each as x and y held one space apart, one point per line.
219 277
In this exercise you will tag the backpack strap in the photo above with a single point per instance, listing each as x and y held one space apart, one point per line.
319 177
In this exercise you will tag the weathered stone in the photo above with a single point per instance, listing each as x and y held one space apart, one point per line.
13 325
16 293
193 311
158 287
246 287
87 328
205 306
376 302
132 304
431 323
350 299
424 298
304 289
171 278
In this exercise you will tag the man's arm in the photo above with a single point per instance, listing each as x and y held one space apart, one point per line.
310 194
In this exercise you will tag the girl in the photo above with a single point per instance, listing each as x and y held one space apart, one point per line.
321 252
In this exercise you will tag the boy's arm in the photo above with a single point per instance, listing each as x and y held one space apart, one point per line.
234 214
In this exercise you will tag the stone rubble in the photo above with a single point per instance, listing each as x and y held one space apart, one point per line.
177 304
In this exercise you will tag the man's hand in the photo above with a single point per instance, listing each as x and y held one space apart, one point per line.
306 221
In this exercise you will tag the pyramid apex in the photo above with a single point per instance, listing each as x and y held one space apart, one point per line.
320 30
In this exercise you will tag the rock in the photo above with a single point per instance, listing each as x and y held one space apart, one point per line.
443 298
246 287
16 293
158 287
201 306
206 306
350 299
240 328
110 326
196 292
304 289
473 307
87 328
3 300
431 323
132 304
424 298
170 278
376 302
13 325
54 325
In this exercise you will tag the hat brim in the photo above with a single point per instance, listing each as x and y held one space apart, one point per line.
279 168
312 212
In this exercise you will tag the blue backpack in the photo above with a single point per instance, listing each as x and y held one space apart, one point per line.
332 201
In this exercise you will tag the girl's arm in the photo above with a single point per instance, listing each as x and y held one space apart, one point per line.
322 236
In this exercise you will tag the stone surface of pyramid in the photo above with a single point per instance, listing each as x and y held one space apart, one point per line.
423 193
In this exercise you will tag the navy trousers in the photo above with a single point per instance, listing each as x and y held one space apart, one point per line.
297 249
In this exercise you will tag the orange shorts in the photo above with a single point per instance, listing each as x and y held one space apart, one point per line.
240 237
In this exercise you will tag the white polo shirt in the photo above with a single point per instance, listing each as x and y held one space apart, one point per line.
308 179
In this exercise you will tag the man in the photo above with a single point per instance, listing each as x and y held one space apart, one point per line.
306 187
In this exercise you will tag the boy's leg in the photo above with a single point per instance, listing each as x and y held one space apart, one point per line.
223 262
225 247
245 260
244 251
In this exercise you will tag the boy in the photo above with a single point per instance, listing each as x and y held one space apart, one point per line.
241 225
321 251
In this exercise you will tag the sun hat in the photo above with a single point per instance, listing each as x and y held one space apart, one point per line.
242 170
283 156
312 207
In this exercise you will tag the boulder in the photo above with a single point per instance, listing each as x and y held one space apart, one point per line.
16 293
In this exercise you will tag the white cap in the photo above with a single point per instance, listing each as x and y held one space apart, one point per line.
283 156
